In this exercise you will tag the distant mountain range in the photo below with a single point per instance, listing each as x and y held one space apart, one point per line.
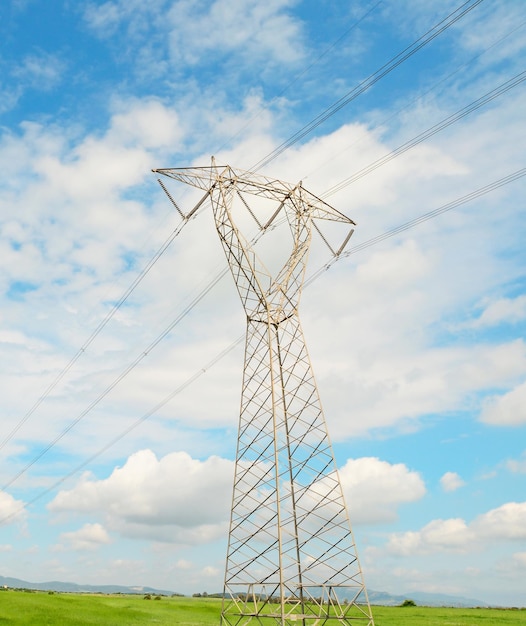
55 585
423 598
375 597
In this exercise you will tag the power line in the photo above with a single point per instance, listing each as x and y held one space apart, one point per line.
127 293
488 97
306 70
358 248
157 255
366 84
129 368
152 261
433 130
431 34
433 87
510 178
117 380
125 432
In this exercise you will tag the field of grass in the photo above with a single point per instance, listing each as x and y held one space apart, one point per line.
61 609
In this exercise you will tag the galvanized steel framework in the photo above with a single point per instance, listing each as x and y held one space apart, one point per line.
291 553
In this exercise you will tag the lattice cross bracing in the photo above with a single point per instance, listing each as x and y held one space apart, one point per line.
291 553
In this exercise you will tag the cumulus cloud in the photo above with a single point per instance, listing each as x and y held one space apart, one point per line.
89 174
103 18
40 71
89 537
94 169
505 523
175 498
92 231
438 535
506 410
391 370
375 489
248 26
451 481
517 466
146 122
11 510
504 310
386 372
210 571
180 499
195 30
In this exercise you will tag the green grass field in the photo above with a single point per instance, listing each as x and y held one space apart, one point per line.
60 609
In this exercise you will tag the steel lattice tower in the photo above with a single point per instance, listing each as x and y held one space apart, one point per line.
291 553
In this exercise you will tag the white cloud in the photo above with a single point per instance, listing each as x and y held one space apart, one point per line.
82 179
9 97
504 310
40 71
11 510
505 523
70 256
503 18
148 123
19 339
249 27
517 466
366 387
103 18
89 537
506 410
389 372
375 489
451 481
237 31
180 499
175 498
476 33
210 572
438 535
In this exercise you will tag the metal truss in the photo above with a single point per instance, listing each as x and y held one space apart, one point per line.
291 553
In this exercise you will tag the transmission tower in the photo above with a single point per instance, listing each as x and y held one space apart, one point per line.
291 554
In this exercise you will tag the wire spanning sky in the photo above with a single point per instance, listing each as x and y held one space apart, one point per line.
120 367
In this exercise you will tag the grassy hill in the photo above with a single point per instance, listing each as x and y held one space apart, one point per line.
376 597
37 608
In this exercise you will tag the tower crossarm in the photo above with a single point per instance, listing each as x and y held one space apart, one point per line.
207 177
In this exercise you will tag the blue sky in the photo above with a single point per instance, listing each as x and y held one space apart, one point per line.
417 340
